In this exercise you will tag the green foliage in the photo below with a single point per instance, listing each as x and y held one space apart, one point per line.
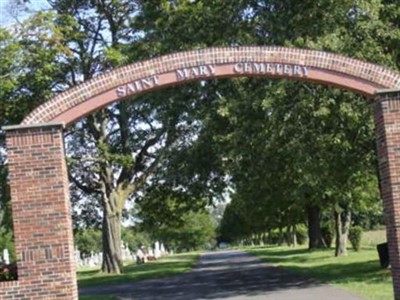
235 224
193 231
355 236
273 237
135 238
5 203
301 234
7 242
88 241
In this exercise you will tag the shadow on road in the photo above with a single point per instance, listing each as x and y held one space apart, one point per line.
218 275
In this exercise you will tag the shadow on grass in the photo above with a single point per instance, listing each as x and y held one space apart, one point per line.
134 272
323 266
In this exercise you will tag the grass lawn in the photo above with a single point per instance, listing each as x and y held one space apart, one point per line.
170 265
359 272
372 238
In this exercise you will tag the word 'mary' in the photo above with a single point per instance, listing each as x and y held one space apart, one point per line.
195 72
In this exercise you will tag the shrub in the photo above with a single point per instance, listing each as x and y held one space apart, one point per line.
8 272
7 242
355 235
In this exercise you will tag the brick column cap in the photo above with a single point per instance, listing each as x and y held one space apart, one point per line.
37 125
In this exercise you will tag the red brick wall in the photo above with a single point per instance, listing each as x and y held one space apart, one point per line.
387 127
41 215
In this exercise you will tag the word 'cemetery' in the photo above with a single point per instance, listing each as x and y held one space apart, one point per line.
270 68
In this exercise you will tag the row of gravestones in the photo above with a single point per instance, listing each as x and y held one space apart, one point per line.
95 259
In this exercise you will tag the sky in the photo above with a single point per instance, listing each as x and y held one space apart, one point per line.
6 17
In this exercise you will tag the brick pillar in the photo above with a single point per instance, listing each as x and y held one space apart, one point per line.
41 213
387 127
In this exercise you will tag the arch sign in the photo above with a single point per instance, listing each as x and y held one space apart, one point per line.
38 173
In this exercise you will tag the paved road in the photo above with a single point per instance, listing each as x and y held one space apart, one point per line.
228 275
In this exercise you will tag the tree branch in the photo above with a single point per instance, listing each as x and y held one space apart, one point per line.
86 189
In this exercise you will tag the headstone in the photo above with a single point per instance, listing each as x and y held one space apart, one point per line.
6 256
86 261
91 262
140 256
96 259
77 254
126 254
157 251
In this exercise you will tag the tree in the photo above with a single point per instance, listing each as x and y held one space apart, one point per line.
194 231
88 241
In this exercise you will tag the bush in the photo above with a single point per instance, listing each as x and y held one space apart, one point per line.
7 242
8 272
355 235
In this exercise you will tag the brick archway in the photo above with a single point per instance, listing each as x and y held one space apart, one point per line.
38 174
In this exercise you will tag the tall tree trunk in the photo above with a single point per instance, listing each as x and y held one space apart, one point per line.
342 227
269 238
112 256
315 240
289 237
294 236
260 239
280 241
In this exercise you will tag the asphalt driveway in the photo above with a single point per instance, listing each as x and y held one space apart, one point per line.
230 275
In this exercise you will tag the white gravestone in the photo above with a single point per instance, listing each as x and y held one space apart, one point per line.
157 251
6 256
